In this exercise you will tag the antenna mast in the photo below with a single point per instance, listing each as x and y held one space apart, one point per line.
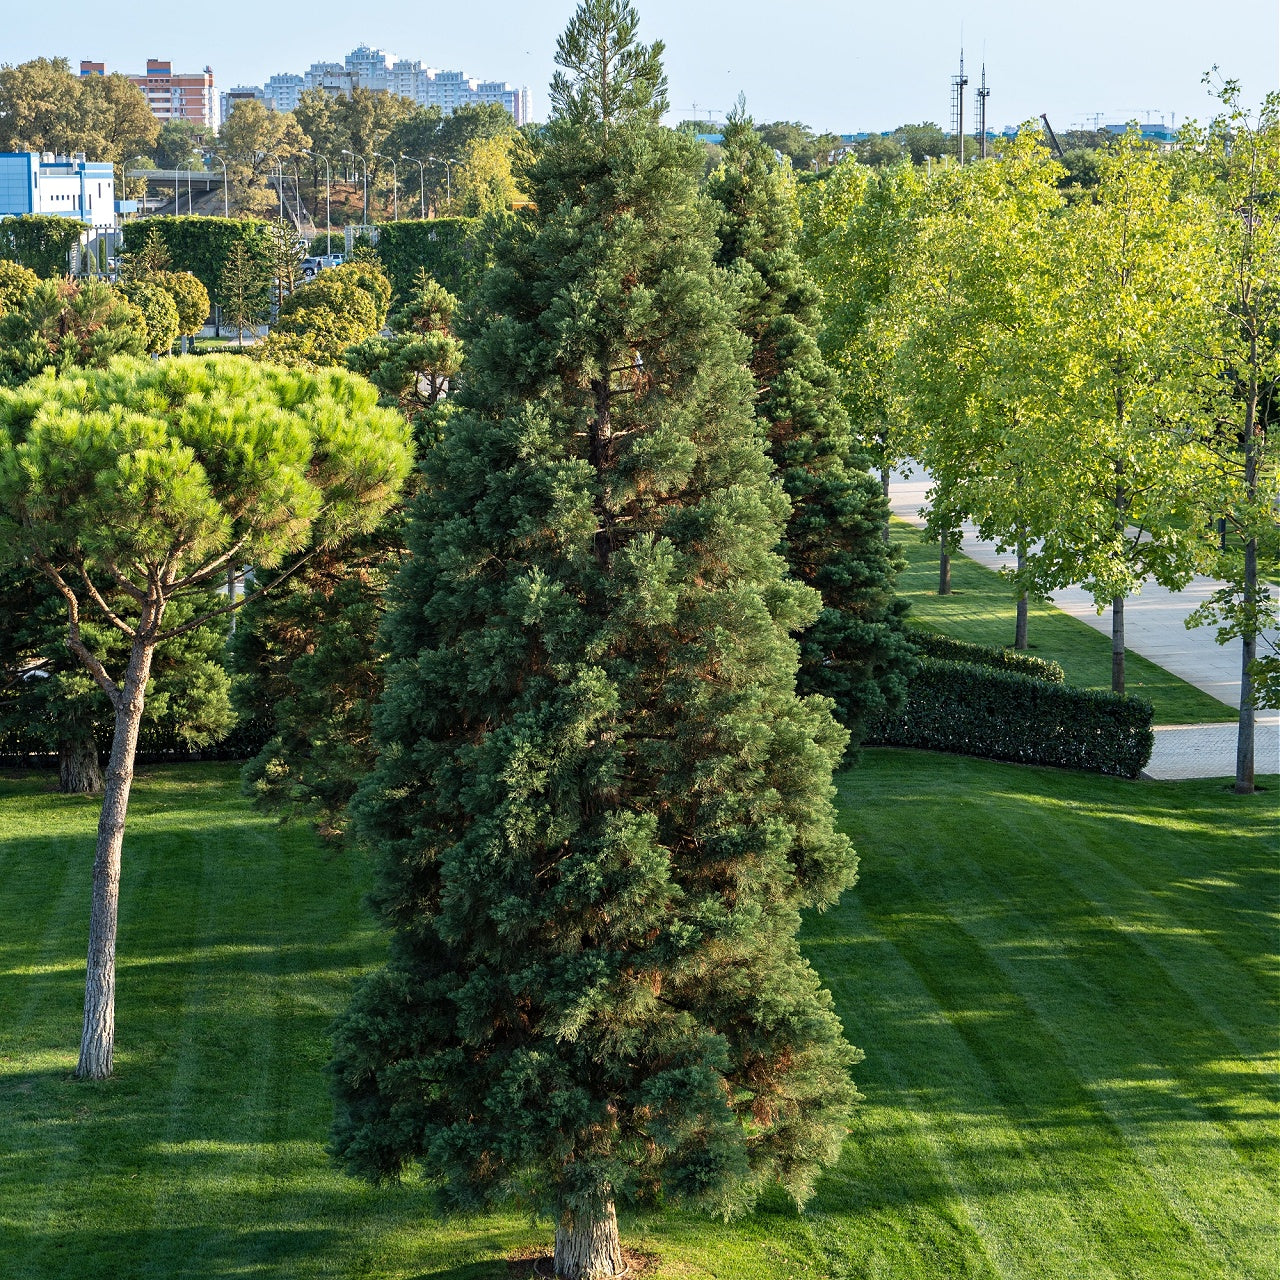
957 104
983 94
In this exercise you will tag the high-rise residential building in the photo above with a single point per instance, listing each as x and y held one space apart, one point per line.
182 95
381 72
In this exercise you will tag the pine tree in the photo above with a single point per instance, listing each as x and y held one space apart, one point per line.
855 652
599 804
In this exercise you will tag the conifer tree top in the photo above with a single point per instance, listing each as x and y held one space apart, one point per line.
607 76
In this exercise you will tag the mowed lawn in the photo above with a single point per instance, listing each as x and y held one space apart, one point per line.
1065 986
981 608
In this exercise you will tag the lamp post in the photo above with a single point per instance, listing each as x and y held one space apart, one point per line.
328 229
365 171
422 183
448 182
395 187
226 203
280 184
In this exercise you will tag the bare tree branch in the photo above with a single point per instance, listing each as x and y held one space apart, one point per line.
74 642
116 621
230 608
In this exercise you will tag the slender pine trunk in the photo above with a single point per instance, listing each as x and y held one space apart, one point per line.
1117 645
79 771
587 1245
97 1043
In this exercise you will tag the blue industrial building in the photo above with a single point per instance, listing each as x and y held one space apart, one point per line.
64 186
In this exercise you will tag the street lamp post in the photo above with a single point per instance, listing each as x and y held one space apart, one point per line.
422 183
395 187
448 182
355 156
280 184
226 203
328 229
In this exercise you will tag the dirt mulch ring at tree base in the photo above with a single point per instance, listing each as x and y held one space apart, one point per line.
534 1261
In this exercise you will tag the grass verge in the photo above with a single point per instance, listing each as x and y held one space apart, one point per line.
981 609
1061 982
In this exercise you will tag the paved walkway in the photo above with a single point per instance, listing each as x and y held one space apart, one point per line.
1154 628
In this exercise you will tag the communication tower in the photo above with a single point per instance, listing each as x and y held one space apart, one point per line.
983 94
957 105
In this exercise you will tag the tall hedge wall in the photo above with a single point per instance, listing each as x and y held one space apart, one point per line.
40 241
451 250
200 245
1004 715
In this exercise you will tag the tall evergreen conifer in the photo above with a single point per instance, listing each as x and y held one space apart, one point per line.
600 804
855 652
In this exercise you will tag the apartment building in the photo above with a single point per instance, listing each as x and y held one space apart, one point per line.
381 72
182 95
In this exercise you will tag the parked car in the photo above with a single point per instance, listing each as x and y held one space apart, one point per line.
311 267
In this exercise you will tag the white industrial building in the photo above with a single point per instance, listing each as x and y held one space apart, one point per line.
64 186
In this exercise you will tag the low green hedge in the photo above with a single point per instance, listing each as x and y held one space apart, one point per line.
155 745
933 645
974 710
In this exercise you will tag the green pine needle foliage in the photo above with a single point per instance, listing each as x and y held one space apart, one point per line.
600 804
855 652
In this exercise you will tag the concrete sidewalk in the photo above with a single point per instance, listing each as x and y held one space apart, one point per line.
1154 628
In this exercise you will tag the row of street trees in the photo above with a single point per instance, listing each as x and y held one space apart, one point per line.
1090 381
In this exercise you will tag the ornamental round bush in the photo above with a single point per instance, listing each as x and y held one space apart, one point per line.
17 284
159 314
189 296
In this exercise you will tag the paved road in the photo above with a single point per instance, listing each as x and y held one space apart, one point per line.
1154 628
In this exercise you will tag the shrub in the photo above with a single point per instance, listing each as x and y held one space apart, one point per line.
933 645
189 296
40 241
66 324
159 314
1004 715
17 284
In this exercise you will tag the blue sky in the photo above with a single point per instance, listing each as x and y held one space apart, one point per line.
840 66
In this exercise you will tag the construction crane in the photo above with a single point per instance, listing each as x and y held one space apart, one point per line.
1053 137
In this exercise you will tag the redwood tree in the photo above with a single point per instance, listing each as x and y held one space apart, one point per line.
148 479
600 804
855 652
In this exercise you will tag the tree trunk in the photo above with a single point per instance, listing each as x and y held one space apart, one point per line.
1117 645
79 773
1020 626
587 1246
1248 652
97 1042
884 489
944 567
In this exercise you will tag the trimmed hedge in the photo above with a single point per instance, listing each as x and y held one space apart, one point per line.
201 245
976 710
40 241
155 746
933 645
450 250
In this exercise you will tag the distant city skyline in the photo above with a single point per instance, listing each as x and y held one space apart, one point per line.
835 66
